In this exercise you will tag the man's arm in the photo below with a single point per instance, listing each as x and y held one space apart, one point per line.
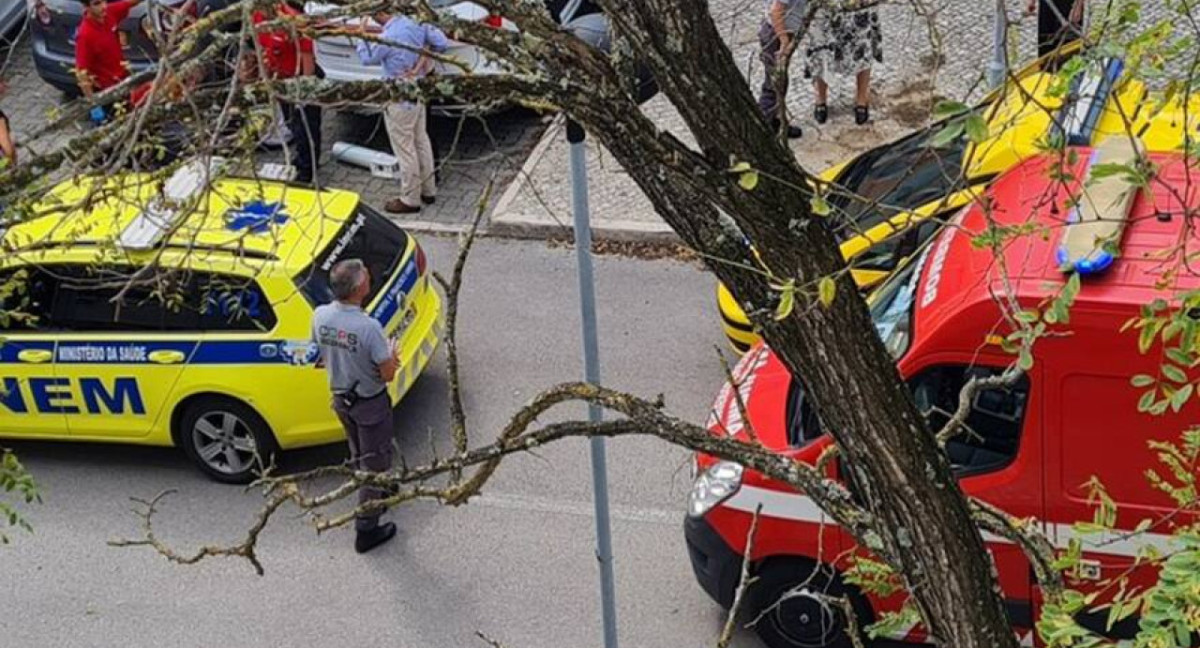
1076 16
119 11
370 53
83 63
778 14
6 143
435 39
383 354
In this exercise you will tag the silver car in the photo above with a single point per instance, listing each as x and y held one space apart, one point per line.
337 57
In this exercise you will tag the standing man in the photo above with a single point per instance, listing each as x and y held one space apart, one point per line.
402 52
99 58
1059 22
782 21
360 362
285 57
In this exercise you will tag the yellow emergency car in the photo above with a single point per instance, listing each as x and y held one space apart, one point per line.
891 199
178 313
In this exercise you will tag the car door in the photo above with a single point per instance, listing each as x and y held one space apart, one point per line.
117 350
33 401
997 457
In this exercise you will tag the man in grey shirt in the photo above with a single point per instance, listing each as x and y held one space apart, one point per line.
360 362
783 18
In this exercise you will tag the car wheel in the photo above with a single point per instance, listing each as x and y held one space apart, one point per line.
789 602
226 439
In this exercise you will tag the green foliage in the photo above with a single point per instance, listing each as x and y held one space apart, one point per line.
1168 611
1173 328
19 488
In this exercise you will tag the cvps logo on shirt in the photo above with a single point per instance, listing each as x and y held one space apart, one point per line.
336 337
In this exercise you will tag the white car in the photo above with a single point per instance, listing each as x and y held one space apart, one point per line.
339 60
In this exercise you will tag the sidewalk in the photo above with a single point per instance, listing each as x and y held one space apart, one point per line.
905 87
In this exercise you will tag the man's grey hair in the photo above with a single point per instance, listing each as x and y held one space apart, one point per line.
345 277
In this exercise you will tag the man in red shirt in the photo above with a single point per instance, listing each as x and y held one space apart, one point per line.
285 56
99 60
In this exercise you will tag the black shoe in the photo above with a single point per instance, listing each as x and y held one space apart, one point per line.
368 540
821 113
793 131
862 115
428 200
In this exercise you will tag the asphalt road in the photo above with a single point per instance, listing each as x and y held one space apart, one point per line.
516 565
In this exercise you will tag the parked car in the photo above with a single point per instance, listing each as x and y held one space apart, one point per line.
337 57
211 351
12 16
55 24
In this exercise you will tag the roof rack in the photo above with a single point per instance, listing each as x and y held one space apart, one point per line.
1089 93
148 228
1098 220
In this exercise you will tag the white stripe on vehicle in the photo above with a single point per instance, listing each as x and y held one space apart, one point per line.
801 508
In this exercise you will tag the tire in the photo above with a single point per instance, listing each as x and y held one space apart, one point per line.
790 616
226 439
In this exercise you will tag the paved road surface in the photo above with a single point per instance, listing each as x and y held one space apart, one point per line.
516 565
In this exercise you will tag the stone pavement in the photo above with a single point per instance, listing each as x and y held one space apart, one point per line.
905 88
470 151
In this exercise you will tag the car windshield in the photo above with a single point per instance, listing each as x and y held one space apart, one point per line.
900 176
891 307
366 235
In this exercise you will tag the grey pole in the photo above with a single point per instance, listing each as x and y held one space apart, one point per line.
996 67
591 373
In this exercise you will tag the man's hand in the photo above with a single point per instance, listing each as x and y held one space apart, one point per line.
1076 16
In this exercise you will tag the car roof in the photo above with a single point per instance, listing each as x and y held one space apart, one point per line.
238 225
960 273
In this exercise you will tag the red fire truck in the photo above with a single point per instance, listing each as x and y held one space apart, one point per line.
1035 445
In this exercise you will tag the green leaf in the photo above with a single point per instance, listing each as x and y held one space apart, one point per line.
947 135
948 108
977 130
740 167
1025 360
819 205
1174 373
1179 398
1147 400
748 180
826 291
1142 380
787 301
1026 316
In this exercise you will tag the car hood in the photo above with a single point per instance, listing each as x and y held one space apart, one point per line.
761 382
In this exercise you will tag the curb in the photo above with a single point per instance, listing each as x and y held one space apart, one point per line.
501 224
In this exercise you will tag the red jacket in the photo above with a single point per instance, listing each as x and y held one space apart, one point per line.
98 47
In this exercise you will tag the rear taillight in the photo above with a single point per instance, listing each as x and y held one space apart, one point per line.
494 20
40 10
420 261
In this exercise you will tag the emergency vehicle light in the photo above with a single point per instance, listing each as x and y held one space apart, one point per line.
149 227
1088 95
1098 220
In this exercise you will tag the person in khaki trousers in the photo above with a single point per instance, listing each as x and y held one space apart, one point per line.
403 49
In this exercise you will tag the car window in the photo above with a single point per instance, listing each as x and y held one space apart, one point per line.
25 298
103 299
367 236
900 176
888 253
992 431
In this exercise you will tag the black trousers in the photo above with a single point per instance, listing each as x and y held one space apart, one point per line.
1054 32
304 120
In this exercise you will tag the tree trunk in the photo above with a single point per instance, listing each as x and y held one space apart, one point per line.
923 523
